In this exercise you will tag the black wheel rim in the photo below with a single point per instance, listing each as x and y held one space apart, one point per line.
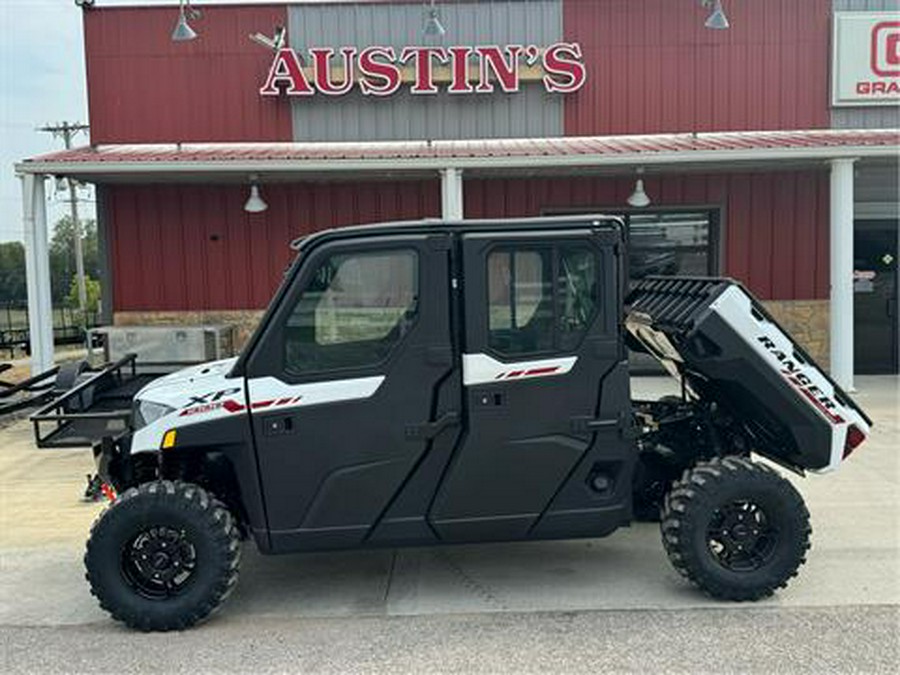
741 536
159 562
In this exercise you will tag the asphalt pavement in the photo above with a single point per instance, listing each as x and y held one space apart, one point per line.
607 605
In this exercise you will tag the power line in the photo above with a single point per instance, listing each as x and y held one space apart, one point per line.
66 130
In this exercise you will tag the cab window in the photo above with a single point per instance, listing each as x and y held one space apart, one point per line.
354 310
540 299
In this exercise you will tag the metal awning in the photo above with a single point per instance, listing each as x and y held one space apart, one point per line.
178 161
452 160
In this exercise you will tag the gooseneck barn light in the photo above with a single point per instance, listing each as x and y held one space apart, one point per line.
717 19
183 31
433 25
255 203
275 42
639 198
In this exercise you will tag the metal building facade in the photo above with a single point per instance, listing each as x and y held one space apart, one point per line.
652 69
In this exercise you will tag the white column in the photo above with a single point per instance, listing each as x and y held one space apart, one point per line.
37 272
842 272
451 194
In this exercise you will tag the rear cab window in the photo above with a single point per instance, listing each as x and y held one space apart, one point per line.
541 299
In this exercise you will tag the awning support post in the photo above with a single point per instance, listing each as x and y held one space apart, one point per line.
37 272
451 194
841 246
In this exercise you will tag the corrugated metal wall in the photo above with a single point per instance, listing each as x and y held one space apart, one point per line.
530 112
871 117
190 247
144 88
774 225
652 67
655 68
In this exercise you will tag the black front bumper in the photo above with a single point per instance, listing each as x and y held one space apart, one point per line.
113 459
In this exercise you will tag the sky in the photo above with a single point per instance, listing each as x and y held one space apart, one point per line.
42 82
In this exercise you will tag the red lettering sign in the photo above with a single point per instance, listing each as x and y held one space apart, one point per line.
286 69
379 77
322 59
885 49
504 66
380 71
422 58
565 69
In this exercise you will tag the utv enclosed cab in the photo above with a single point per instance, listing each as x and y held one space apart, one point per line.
434 383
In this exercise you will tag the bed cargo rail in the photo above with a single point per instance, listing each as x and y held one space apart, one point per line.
711 334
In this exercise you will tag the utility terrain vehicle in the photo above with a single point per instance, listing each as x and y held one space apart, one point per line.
438 382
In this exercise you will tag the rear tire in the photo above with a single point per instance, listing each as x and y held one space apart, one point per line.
163 556
735 528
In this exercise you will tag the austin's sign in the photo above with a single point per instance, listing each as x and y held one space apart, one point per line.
382 71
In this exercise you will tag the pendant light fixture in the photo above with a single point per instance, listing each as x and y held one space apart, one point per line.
183 31
433 26
639 198
717 19
255 203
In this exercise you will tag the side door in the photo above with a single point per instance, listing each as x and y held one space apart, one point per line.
348 364
545 389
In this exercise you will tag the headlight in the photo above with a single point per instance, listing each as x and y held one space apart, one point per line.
147 412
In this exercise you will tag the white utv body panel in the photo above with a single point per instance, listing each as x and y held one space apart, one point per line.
205 392
727 348
812 386
196 394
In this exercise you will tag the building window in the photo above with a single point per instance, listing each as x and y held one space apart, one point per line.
670 243
353 312
540 299
666 242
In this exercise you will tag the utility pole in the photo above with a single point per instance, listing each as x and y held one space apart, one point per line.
66 130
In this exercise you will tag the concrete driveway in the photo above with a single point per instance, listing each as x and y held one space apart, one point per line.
854 567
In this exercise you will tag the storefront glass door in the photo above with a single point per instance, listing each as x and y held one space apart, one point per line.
876 329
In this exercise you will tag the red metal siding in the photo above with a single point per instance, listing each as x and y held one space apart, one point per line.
774 225
142 87
653 67
189 247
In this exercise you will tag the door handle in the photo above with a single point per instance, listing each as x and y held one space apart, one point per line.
490 399
278 425
428 430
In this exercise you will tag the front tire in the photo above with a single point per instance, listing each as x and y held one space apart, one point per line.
163 556
735 528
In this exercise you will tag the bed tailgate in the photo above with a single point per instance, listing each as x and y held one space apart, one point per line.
714 335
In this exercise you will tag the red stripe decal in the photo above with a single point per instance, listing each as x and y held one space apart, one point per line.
835 419
233 406
542 371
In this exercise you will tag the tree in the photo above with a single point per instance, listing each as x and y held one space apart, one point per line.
62 257
12 272
62 263
92 286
